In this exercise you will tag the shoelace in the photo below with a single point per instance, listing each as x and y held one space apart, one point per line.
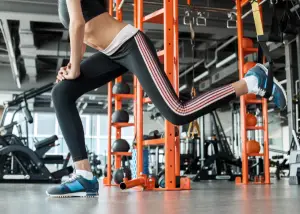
71 179
261 92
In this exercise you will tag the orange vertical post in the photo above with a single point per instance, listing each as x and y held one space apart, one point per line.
266 142
244 128
170 180
139 100
176 79
109 111
118 102
241 62
109 101
134 77
266 129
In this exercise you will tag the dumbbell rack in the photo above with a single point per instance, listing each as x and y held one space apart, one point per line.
118 105
245 47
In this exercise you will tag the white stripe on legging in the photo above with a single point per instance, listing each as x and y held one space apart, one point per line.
168 94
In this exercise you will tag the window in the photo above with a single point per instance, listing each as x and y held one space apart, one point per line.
84 124
103 146
93 125
45 124
103 125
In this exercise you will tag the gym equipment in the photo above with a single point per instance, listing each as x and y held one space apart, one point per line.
121 88
120 145
133 163
105 171
154 134
289 23
121 173
251 120
252 147
17 161
161 180
18 99
294 160
120 116
95 164
217 158
250 97
248 65
281 167
217 165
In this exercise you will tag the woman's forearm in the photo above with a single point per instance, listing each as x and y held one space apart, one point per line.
76 40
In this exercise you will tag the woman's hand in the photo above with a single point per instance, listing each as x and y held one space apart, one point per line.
67 73
71 72
60 74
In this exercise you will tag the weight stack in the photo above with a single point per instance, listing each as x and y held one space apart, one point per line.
133 163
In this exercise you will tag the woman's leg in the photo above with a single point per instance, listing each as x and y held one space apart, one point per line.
138 55
96 71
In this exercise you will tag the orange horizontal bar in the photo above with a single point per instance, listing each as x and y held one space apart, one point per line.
255 154
254 101
254 127
250 50
147 100
122 153
167 189
159 141
120 125
156 17
161 56
132 183
123 96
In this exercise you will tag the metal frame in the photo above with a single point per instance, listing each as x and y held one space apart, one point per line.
289 85
168 16
242 52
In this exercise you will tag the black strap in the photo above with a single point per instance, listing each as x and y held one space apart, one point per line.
275 34
263 50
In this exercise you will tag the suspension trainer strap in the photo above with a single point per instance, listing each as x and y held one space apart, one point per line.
262 40
193 51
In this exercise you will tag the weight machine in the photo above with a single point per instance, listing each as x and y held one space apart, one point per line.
17 161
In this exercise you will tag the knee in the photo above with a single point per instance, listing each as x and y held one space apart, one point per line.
175 119
59 94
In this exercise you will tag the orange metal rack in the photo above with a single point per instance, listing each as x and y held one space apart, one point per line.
242 52
168 16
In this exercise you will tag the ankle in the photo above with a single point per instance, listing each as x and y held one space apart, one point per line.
252 84
240 88
83 165
85 174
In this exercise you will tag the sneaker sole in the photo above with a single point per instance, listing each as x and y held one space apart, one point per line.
276 82
75 194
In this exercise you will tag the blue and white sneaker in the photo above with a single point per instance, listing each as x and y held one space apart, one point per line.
76 186
278 93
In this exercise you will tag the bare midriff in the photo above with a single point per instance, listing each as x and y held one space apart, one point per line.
101 30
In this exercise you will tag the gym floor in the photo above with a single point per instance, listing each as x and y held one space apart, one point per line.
206 197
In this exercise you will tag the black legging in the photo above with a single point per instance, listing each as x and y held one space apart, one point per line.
138 56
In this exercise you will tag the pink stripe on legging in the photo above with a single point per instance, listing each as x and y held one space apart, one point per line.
191 106
168 94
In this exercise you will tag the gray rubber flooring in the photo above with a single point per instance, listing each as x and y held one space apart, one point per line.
208 197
